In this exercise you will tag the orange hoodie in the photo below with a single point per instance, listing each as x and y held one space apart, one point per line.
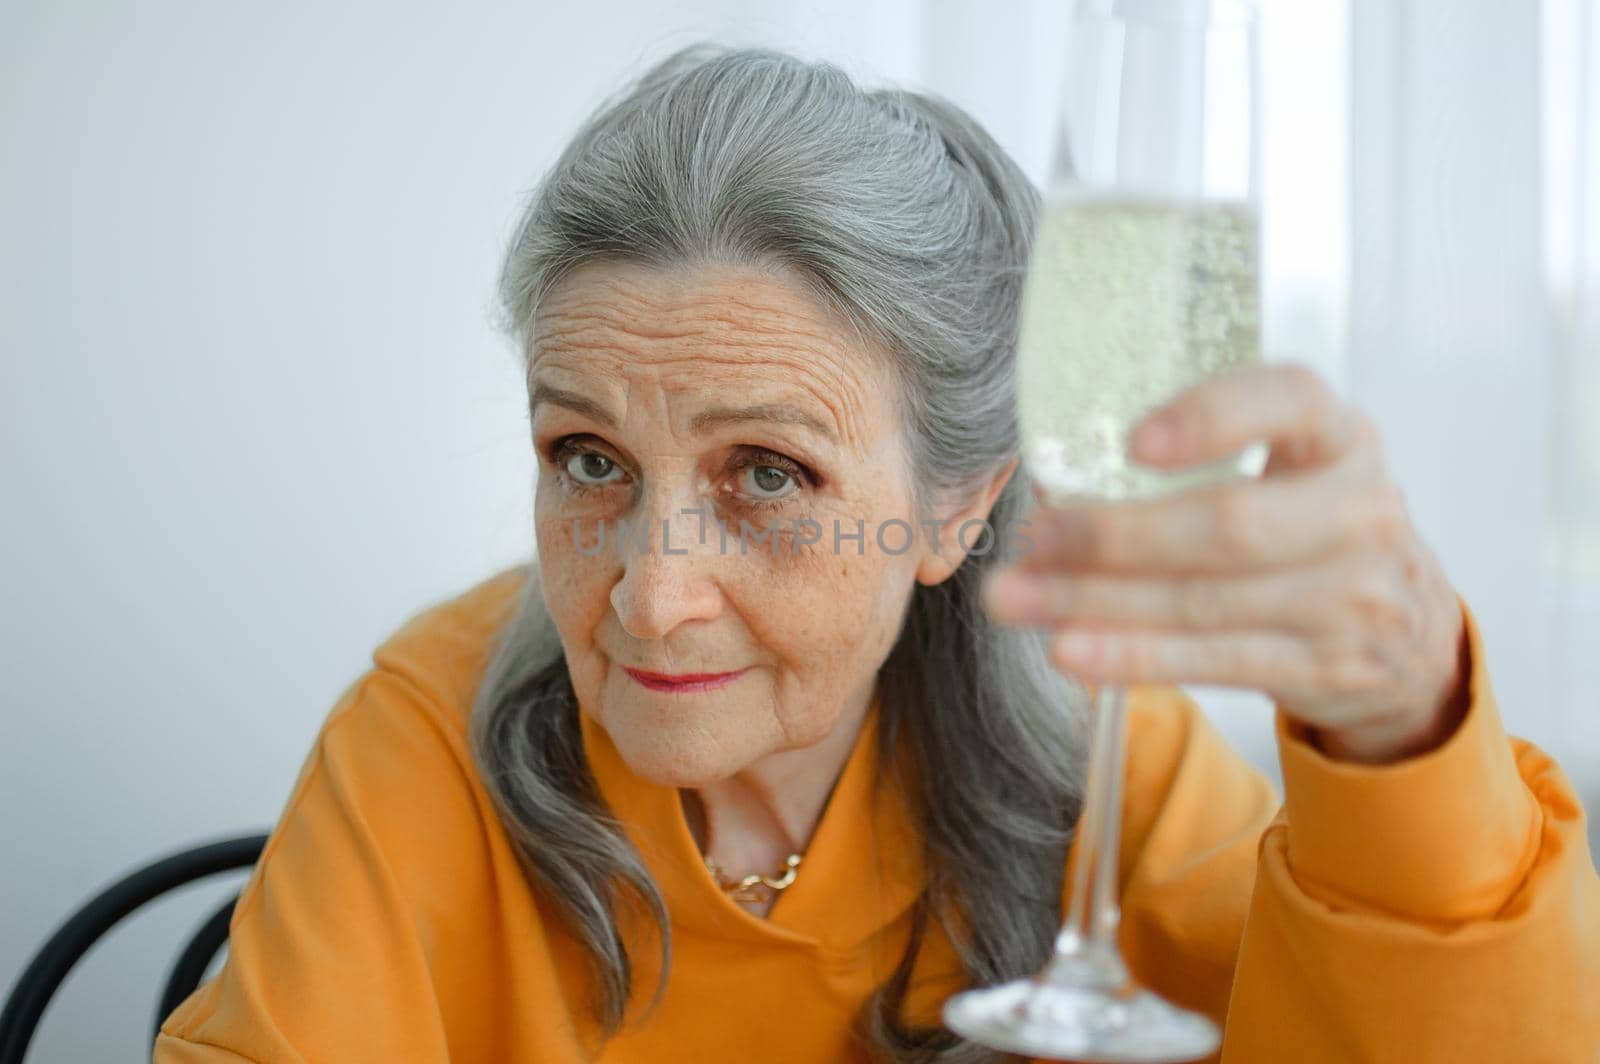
1443 908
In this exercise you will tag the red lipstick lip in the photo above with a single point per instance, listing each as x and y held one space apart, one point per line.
683 682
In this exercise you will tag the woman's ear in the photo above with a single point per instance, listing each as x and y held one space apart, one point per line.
938 564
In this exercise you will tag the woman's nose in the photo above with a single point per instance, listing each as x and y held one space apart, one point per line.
664 582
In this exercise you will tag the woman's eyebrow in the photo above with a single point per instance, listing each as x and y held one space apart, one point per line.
701 423
582 404
780 412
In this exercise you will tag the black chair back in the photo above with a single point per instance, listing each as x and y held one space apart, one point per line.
45 972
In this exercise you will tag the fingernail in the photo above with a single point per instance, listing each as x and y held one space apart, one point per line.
1155 439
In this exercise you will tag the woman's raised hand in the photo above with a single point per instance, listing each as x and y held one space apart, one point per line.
1308 583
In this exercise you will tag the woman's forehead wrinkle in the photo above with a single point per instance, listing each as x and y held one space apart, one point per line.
726 341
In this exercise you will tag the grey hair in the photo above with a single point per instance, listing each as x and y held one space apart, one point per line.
904 215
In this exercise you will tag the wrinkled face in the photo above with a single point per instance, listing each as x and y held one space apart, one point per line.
734 396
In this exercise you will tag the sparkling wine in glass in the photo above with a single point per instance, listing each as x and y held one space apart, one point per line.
1144 280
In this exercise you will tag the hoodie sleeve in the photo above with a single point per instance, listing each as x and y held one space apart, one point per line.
1441 908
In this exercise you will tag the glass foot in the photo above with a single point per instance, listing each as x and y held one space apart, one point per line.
1065 1022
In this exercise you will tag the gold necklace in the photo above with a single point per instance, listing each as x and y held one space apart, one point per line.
755 887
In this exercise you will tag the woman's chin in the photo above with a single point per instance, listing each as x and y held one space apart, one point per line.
676 754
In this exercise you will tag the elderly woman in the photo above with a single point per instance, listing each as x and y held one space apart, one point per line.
742 769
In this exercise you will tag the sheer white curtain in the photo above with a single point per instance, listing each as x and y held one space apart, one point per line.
1571 86
1473 325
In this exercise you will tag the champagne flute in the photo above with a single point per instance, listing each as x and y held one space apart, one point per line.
1144 280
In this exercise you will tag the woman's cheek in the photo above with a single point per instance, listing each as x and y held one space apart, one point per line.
571 578
823 599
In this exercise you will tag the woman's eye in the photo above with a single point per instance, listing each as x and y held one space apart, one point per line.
590 468
760 478
768 481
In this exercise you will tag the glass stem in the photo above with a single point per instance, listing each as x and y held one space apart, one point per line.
1086 949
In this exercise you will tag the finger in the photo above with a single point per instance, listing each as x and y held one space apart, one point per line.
1051 599
1241 525
1265 661
1286 404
